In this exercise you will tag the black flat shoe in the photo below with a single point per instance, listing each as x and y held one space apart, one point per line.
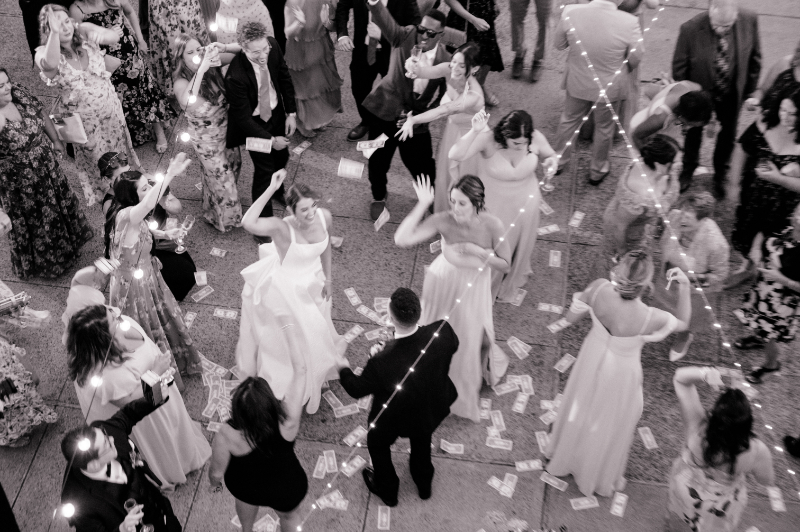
792 446
596 182
369 480
357 133
749 342
757 375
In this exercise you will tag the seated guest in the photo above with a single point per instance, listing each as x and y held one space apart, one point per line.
673 111
418 407
101 479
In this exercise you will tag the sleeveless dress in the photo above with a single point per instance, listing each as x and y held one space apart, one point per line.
171 442
168 19
90 94
243 11
208 125
283 310
505 199
148 300
309 56
283 482
470 319
143 100
658 106
449 171
602 404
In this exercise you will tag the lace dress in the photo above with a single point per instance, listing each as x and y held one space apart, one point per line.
148 300
143 100
90 94
208 124
309 56
168 19
486 10
48 226
764 207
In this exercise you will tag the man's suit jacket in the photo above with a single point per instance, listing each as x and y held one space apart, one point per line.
427 394
696 50
241 90
99 506
404 12
395 93
608 35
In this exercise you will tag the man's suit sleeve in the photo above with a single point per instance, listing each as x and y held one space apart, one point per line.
754 64
680 59
129 415
410 14
342 17
637 45
240 114
359 386
560 41
284 82
393 33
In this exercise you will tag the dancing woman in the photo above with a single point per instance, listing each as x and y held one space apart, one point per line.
457 285
286 301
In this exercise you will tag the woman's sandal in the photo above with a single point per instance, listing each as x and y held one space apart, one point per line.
749 342
756 376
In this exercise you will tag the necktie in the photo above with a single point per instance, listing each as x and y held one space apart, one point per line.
722 65
264 107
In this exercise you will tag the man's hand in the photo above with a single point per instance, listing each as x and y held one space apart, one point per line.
279 143
344 44
291 125
132 519
373 31
751 104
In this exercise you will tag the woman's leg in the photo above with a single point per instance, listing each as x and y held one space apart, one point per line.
289 520
161 140
247 515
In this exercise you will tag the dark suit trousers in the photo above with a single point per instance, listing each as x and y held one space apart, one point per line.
386 480
363 75
275 8
416 153
727 113
267 164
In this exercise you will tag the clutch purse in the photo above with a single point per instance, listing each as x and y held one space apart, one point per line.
69 126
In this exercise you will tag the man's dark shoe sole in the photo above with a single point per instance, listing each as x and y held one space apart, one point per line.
369 480
357 133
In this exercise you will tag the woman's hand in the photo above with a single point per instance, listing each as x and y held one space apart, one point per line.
480 120
58 147
412 67
207 62
324 13
52 21
143 46
162 363
173 233
677 275
422 186
277 179
118 31
479 23
714 379
755 255
768 171
791 170
299 15
2 121
326 290
550 165
407 129
178 164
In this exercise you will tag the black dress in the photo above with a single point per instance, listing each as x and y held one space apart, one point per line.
783 87
485 9
276 480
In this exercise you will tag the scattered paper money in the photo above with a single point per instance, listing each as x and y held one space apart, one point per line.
577 218
348 410
353 466
369 151
213 426
352 296
499 443
520 403
555 258
211 407
520 348
332 400
547 307
486 405
557 401
510 480
545 208
584 503
351 335
528 465
545 404
330 461
776 499
546 230
336 241
202 293
257 144
379 334
558 325
506 490
506 387
381 304
618 504
492 432
355 436
647 438
365 402
228 314
518 297
526 385
436 247
218 252
300 148
384 517
350 169
542 439
370 144
548 417
495 482
320 469
200 278
370 314
497 420
382 219
557 483
452 448
189 318
565 363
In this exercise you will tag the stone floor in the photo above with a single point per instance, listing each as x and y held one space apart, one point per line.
369 261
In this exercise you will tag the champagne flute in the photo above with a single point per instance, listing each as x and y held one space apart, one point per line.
416 54
548 179
187 224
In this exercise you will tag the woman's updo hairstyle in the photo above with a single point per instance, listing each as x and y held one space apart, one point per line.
472 188
108 162
514 125
701 203
660 149
297 192
633 276
471 52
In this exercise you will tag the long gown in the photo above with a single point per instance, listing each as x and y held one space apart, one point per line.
505 199
143 100
148 300
48 225
208 125
602 404
90 94
310 58
470 319
171 442
657 105
283 310
168 19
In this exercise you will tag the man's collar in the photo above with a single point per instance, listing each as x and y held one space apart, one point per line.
398 336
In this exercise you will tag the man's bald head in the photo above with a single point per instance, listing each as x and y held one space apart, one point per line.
722 14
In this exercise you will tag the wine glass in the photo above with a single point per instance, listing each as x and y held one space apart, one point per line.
187 224
130 504
549 172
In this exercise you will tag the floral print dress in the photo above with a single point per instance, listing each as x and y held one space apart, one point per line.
143 100
48 226
168 19
208 125
148 300
90 94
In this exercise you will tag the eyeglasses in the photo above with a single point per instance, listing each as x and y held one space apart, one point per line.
422 30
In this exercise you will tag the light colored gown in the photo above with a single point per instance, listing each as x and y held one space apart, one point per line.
602 404
470 319
171 442
658 106
243 11
283 310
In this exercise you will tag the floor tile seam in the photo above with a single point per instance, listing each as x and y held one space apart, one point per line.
414 266
30 465
206 465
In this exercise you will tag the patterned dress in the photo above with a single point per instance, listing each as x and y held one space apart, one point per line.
168 19
764 207
48 226
148 300
90 94
783 87
143 100
486 10
208 124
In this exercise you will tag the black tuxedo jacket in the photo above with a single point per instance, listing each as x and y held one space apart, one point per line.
405 12
696 50
426 396
241 90
99 506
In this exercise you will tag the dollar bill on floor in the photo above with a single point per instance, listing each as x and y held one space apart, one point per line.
365 402
217 252
332 400
350 169
492 432
506 387
647 438
520 403
510 482
355 436
200 278
371 144
548 229
354 331
518 347
548 417
336 241
555 258
330 461
577 218
776 499
436 247
542 439
558 325
565 363
499 443
300 148
381 304
545 208
353 466
584 503
452 448
526 385
199 186
384 517
256 143
518 297
379 334
618 504
557 483
382 219
225 313
202 293
235 521
213 426
352 296
497 420
495 482
321 468
485 406
528 465
189 318
348 410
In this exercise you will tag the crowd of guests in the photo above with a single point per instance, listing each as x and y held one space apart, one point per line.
124 78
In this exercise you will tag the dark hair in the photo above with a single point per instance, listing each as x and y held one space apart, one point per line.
125 195
251 31
514 125
729 429
297 192
772 113
701 203
256 412
633 275
471 187
471 52
4 71
405 306
44 30
110 161
695 106
213 83
438 16
69 447
88 340
660 149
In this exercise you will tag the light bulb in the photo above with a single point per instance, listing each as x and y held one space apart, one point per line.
124 325
185 136
96 381
196 60
68 510
159 177
213 27
84 444
138 274
153 225
192 98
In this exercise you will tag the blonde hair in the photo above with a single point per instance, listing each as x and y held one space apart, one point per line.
633 275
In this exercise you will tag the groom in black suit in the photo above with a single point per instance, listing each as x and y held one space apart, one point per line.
421 402
261 98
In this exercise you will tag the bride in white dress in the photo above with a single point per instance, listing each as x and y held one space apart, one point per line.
464 98
286 300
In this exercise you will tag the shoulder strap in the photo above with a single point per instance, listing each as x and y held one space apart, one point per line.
291 232
596 290
324 223
646 320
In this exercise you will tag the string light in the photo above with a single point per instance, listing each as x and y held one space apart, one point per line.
196 60
192 98
68 510
124 325
153 225
138 274
159 177
84 444
95 381
213 27
185 136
